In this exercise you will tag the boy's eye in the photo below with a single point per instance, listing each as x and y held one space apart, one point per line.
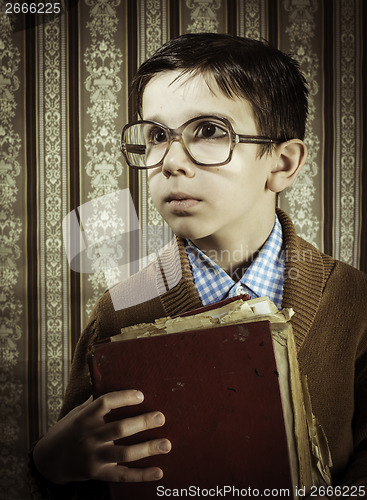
157 135
209 130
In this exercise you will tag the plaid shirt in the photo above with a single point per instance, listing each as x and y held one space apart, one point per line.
264 277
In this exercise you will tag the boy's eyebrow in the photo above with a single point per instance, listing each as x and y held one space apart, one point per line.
157 118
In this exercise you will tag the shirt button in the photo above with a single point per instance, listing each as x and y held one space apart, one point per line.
240 290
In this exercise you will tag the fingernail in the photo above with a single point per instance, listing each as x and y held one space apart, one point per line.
158 419
139 395
164 446
158 474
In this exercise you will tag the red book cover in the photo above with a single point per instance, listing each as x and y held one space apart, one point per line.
219 391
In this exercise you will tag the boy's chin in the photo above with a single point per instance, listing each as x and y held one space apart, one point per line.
190 228
189 234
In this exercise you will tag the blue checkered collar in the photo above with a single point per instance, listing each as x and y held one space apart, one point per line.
264 277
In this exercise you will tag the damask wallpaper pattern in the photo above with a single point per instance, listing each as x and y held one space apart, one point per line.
63 101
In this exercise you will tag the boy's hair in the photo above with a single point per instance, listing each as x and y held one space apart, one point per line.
270 80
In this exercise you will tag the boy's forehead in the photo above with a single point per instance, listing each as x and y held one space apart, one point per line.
180 84
190 91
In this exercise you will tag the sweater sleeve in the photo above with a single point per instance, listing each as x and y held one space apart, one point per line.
355 478
78 390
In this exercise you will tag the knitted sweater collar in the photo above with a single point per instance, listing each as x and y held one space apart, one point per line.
305 275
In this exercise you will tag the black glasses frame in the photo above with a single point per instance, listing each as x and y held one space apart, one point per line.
176 135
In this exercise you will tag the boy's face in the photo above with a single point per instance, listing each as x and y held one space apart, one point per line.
198 202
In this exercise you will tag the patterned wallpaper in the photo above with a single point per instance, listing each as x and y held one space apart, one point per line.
63 101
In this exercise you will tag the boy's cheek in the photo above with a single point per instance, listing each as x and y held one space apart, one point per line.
153 174
154 193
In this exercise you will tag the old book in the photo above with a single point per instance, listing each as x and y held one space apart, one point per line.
237 411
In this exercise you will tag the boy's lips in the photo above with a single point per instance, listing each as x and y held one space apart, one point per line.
181 201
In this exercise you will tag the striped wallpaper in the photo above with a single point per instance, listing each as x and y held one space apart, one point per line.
63 101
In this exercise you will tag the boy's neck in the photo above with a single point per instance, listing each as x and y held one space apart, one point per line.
234 253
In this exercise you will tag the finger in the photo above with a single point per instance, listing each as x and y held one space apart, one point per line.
129 426
123 474
112 400
125 454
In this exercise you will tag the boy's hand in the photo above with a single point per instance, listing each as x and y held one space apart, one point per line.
81 445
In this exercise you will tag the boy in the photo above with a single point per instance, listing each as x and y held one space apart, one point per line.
223 123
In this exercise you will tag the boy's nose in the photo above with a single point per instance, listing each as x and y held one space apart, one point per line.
177 162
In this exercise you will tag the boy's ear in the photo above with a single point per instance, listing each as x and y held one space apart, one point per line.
289 158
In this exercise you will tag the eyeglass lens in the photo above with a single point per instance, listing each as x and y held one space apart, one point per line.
208 141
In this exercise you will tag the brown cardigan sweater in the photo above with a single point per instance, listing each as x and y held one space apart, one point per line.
330 327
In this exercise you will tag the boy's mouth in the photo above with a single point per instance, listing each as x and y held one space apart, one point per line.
181 201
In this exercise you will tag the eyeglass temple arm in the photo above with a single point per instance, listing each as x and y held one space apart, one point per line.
255 139
133 148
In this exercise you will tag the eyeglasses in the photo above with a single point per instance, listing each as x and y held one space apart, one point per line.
207 140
